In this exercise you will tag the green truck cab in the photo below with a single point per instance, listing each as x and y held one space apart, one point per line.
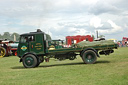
34 46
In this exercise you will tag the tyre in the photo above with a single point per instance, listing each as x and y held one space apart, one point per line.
89 57
38 63
2 52
29 61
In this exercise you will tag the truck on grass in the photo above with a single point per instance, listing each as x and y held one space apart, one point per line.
34 46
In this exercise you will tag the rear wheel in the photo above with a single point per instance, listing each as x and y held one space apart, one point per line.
89 57
30 61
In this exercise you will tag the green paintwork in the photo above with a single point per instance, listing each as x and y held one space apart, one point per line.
34 46
98 45
58 44
64 50
37 46
43 45
20 51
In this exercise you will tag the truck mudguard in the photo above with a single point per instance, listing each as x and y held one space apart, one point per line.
27 54
90 49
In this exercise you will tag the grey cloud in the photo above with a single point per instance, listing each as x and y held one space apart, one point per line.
103 7
122 4
106 26
74 24
21 8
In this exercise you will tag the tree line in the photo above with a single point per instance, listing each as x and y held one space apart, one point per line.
9 36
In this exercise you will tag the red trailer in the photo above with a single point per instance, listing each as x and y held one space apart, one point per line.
75 39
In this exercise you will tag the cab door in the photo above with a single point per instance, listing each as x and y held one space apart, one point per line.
36 44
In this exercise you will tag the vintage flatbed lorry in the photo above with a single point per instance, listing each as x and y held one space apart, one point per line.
34 46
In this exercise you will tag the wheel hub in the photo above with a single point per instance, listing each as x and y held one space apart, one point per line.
89 57
29 61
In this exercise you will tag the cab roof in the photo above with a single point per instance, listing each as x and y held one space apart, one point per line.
48 37
32 33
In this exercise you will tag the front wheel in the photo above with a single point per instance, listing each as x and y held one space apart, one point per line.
89 57
30 61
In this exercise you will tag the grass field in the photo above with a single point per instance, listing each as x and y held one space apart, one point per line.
108 70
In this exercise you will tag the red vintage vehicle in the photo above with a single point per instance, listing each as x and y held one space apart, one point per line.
125 41
8 48
76 39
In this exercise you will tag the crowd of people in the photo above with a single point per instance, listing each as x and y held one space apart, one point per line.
123 43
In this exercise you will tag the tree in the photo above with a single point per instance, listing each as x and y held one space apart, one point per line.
1 37
7 36
16 35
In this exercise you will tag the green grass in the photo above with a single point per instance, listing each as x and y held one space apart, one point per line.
108 70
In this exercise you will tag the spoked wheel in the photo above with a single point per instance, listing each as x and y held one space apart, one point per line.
2 52
89 57
30 61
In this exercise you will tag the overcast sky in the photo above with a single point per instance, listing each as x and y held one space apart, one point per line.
61 18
